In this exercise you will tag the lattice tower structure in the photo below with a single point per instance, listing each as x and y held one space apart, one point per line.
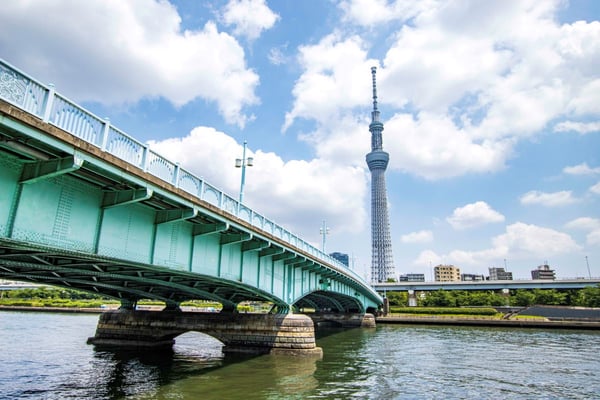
382 261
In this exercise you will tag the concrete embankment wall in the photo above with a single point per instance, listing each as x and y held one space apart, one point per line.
510 323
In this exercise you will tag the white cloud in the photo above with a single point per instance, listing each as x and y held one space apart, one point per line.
596 188
476 77
427 258
249 17
581 169
423 236
585 223
525 240
375 12
433 147
335 78
286 192
474 214
520 242
592 225
593 238
116 52
555 199
277 56
579 127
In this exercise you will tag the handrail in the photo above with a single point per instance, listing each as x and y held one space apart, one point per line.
41 100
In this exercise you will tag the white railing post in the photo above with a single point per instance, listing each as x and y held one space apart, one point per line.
176 176
49 102
144 165
201 189
105 131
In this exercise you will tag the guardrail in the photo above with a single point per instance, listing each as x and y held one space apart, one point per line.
41 100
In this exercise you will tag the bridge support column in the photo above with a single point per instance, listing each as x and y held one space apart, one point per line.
240 333
343 320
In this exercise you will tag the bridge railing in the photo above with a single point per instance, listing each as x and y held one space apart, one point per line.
41 100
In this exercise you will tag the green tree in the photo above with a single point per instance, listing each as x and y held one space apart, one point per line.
397 298
550 297
523 298
589 297
439 298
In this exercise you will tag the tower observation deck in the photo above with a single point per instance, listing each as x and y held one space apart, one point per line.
382 263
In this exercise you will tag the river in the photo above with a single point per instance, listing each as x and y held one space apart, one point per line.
45 356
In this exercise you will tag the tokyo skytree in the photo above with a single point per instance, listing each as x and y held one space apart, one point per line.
382 263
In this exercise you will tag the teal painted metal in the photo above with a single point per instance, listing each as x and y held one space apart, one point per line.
100 211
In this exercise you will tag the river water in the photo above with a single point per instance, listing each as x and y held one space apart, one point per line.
45 356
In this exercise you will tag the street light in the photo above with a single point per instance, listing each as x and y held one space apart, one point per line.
324 231
588 266
243 163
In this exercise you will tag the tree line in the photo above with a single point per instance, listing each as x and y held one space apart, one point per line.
587 297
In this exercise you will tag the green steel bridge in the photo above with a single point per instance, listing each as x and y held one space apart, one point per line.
83 205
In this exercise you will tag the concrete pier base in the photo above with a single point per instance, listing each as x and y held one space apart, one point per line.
292 334
356 320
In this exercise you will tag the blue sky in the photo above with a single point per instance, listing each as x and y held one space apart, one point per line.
491 113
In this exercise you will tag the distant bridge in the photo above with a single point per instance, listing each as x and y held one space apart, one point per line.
487 285
85 206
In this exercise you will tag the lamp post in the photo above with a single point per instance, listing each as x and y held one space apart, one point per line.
243 163
588 267
324 232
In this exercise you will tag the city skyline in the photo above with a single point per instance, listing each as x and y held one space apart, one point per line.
492 113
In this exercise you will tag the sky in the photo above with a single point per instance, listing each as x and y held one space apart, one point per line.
491 113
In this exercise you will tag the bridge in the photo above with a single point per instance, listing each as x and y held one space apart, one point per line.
488 285
83 205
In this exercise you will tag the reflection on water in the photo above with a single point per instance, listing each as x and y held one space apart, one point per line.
44 356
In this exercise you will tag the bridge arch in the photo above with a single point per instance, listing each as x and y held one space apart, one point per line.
321 300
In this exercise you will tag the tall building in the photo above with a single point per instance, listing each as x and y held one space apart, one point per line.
382 263
446 273
499 274
543 272
412 278
341 257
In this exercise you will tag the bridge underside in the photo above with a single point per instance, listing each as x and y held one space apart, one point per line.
129 282
116 279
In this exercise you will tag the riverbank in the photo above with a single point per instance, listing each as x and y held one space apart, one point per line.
488 322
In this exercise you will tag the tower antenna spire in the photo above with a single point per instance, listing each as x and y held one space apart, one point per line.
375 113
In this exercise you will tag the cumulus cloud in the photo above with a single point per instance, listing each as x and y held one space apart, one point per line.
581 169
123 51
519 242
591 225
585 223
474 214
336 77
556 199
473 87
579 127
249 17
596 188
288 190
427 258
423 236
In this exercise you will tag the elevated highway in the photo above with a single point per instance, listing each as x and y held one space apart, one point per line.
488 285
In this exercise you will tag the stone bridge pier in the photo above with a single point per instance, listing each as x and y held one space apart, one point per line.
292 334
